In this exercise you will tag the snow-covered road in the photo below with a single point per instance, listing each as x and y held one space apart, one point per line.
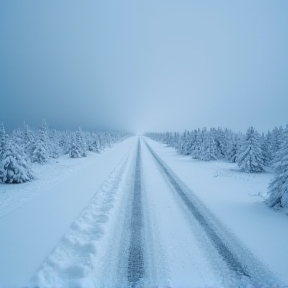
228 262
145 228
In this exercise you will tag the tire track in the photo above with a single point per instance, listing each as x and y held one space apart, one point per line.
135 267
245 268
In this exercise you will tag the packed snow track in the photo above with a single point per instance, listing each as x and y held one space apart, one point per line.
135 261
146 228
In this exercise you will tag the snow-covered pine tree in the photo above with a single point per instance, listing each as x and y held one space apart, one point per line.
189 142
204 144
75 151
193 142
196 149
53 143
220 141
179 146
208 149
107 138
78 146
184 144
17 137
268 150
65 142
102 142
167 139
211 149
3 139
233 145
276 137
14 164
174 139
250 158
264 141
40 152
94 143
278 188
82 140
28 140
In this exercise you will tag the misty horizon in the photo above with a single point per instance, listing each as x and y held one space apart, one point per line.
142 67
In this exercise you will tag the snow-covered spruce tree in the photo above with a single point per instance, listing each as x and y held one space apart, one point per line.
104 141
173 139
276 139
250 158
196 149
40 153
210 149
193 143
278 188
65 142
107 140
28 140
14 164
184 144
53 143
220 141
267 149
78 146
94 143
3 139
101 140
169 140
233 147
17 137
204 143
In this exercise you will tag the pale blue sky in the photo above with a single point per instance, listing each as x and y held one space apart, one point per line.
144 65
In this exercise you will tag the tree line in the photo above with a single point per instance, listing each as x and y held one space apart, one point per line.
253 152
26 145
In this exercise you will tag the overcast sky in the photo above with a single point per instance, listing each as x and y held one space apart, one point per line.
147 65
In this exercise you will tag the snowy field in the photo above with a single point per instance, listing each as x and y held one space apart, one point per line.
35 215
233 196
80 221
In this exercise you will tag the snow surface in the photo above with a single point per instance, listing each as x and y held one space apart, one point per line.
78 257
177 263
233 197
90 204
35 215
